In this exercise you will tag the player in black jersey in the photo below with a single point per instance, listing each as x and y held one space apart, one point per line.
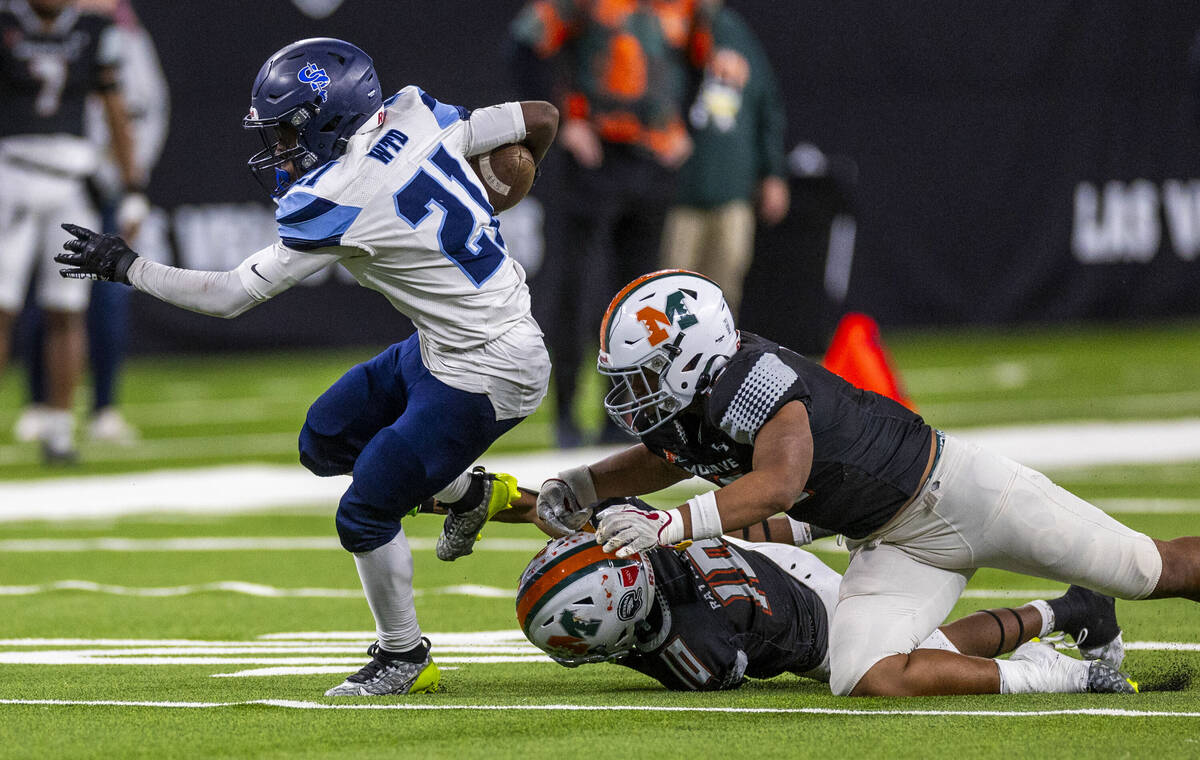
922 510
710 615
53 57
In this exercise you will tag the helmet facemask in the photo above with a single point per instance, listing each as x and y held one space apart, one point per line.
640 400
285 157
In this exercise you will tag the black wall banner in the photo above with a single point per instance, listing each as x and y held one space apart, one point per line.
1026 161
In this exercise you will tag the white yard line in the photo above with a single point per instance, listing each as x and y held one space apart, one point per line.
454 639
275 592
241 587
52 657
416 706
236 543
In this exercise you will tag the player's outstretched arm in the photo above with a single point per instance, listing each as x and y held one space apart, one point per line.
783 451
566 501
220 294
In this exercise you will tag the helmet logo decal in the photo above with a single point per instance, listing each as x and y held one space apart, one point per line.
629 605
677 314
568 643
578 627
315 78
629 575
677 308
651 317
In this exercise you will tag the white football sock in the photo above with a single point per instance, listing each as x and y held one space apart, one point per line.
1042 606
386 575
456 490
1035 668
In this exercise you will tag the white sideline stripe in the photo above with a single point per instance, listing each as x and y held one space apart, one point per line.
274 592
265 649
461 639
226 490
51 657
242 587
237 543
301 671
1092 443
1149 506
298 705
298 670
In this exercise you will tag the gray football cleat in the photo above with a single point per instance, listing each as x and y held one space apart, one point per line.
461 529
1103 679
383 675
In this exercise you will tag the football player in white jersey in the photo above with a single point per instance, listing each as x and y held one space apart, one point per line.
53 57
383 188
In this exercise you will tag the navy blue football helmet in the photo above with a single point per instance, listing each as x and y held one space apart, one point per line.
307 100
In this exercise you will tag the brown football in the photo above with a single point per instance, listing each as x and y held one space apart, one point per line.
507 173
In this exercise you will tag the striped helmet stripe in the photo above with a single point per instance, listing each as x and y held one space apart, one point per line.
620 297
559 575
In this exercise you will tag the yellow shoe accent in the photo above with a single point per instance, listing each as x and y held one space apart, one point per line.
1134 684
429 681
504 490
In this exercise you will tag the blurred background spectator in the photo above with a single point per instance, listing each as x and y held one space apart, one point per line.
147 104
991 165
620 72
55 55
737 125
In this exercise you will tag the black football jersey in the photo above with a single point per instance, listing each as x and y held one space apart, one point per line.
725 614
869 452
46 75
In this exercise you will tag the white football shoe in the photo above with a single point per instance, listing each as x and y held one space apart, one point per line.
110 427
29 426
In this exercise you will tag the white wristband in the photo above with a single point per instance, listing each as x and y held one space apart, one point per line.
672 532
579 480
706 518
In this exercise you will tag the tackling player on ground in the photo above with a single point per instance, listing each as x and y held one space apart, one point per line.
778 433
722 610
383 188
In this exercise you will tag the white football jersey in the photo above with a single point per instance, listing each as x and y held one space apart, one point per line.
406 215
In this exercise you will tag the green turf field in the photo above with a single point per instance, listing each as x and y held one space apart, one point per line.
215 635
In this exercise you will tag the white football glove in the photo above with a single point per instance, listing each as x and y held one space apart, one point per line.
565 503
628 530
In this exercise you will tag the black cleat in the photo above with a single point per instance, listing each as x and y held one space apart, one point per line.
1093 625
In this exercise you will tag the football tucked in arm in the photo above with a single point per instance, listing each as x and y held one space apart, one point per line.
507 174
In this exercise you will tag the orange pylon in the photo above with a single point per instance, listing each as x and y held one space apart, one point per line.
857 355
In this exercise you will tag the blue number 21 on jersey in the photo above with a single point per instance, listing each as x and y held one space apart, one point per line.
478 253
